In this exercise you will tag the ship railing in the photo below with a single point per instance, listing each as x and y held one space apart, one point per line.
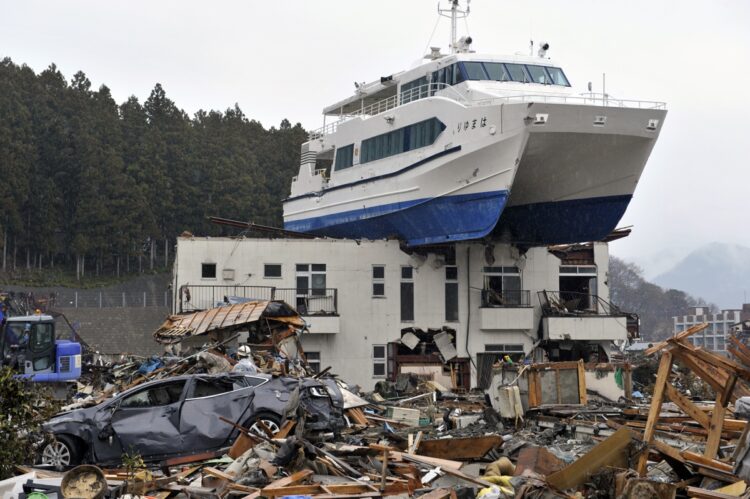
586 99
448 91
385 105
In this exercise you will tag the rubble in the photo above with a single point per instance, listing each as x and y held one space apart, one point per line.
415 438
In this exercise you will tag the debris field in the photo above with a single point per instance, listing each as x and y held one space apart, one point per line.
221 421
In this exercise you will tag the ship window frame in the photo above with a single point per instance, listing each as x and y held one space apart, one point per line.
478 64
531 68
459 74
409 138
562 73
527 77
502 65
348 159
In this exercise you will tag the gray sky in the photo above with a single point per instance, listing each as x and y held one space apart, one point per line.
288 59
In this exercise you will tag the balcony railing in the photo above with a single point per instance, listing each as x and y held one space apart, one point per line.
569 303
572 304
313 301
507 298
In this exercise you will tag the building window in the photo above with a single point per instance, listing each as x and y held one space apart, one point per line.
492 355
578 287
313 360
378 361
451 294
407 294
344 157
378 280
515 352
208 271
311 282
272 271
502 287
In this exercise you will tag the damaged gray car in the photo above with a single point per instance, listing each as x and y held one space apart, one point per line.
180 416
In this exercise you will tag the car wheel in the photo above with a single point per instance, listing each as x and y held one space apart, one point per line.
62 451
271 420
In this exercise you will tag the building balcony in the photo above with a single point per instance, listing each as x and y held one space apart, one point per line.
587 328
323 324
308 302
507 310
582 316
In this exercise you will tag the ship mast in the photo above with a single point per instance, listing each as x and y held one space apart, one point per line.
454 13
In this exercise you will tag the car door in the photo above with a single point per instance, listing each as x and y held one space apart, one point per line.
210 397
147 421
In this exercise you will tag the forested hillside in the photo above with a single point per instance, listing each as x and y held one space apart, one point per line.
654 305
85 181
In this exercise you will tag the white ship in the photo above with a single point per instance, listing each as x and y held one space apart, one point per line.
435 153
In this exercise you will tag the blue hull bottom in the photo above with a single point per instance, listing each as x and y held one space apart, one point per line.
562 222
418 222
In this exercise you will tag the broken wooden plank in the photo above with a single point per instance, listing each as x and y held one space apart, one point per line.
538 460
428 461
459 449
203 456
208 470
242 444
293 479
415 443
441 493
582 396
613 451
688 406
285 429
717 420
708 494
685 334
662 378
357 416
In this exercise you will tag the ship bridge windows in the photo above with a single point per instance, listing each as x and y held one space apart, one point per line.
496 71
475 71
518 73
505 71
539 75
404 139
557 76
344 157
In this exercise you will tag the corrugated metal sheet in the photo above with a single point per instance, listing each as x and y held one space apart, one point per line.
177 327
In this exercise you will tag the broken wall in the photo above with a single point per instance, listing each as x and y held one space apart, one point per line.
367 321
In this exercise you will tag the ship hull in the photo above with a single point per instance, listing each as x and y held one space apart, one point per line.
454 192
576 179
425 221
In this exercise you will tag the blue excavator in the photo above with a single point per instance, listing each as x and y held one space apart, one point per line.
28 345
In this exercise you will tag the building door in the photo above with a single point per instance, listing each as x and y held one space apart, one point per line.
578 289
311 282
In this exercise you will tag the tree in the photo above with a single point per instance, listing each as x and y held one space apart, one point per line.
24 406
655 306
86 181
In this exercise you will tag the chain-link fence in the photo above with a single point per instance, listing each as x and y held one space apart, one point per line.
109 299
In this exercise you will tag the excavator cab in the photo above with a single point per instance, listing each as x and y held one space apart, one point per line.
29 347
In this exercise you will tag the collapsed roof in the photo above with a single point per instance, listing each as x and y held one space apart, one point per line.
237 317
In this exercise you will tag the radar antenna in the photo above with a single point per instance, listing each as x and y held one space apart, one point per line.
455 13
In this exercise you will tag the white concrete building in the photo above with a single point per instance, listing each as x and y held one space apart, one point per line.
714 337
360 297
